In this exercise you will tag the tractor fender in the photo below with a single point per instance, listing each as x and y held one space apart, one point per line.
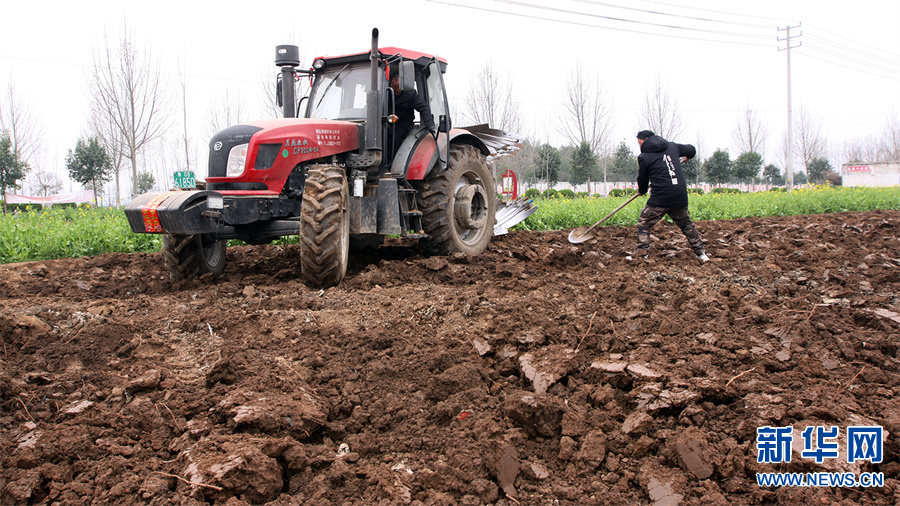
415 154
419 154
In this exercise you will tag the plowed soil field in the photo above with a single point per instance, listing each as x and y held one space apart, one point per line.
538 373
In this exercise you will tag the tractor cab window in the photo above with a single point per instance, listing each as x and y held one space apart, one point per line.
340 94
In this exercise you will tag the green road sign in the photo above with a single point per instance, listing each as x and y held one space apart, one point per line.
185 179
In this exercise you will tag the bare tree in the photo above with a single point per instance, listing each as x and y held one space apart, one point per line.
861 151
268 103
811 144
699 142
44 183
185 138
25 133
881 148
129 95
490 102
588 113
750 133
889 145
226 111
111 137
660 112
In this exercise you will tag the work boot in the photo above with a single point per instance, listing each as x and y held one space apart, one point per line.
703 258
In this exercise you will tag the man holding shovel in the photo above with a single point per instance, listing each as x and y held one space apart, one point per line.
659 168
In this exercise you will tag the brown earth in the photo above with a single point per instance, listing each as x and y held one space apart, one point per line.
537 373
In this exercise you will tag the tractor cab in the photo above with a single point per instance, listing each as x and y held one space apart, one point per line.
343 86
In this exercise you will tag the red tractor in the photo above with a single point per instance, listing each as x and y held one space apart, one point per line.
333 175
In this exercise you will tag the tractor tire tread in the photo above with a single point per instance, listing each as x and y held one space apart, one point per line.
322 221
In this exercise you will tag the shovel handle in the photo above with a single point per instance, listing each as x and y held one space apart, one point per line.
614 211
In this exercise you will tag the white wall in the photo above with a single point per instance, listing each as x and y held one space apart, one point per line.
870 174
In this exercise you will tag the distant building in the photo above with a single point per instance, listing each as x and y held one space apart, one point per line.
870 174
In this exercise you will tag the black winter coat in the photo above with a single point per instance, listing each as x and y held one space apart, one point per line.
659 167
405 105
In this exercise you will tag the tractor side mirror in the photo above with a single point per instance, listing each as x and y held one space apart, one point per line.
407 76
278 98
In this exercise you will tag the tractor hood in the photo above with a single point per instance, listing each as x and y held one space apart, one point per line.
260 155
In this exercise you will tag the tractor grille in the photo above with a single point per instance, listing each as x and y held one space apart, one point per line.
265 156
224 141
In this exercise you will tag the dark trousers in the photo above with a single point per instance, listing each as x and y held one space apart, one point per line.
651 215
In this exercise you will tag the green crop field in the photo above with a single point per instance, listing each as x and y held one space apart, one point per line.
65 232
560 213
75 232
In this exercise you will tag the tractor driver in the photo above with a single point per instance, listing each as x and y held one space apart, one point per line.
405 103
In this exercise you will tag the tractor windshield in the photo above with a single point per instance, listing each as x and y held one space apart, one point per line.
340 93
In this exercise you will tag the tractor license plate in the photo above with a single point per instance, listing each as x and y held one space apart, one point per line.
185 179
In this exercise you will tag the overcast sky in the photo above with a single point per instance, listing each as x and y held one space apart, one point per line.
716 58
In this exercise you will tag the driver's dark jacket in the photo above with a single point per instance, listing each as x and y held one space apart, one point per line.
405 105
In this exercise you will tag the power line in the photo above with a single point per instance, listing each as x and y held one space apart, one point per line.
626 20
94 66
778 20
661 13
892 56
856 52
589 25
853 60
832 62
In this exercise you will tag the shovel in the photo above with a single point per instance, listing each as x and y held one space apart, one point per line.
582 234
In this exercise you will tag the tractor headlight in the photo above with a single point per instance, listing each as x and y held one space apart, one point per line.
237 159
318 64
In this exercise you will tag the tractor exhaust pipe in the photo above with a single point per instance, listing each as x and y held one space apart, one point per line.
373 103
288 58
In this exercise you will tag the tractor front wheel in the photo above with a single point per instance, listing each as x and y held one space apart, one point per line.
458 205
188 256
325 226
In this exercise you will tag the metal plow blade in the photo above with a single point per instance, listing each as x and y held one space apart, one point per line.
511 213
499 142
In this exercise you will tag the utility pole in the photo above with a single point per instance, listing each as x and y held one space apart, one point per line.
790 124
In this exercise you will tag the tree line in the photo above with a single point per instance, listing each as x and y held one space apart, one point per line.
590 156
131 109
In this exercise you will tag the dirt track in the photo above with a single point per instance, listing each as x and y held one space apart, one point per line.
537 373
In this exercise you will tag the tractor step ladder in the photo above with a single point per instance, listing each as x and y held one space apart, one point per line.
411 216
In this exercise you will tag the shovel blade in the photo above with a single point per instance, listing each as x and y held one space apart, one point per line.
580 235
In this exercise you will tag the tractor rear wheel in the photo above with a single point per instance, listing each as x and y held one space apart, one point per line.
458 205
188 256
325 226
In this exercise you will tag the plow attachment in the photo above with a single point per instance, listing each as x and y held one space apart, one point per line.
512 213
499 142
502 143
